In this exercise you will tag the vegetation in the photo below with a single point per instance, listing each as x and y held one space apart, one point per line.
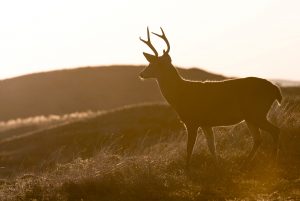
138 153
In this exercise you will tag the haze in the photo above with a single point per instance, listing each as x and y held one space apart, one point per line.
234 38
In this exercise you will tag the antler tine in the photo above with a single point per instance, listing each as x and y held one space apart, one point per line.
148 42
163 36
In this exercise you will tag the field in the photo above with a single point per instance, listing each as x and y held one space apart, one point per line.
138 153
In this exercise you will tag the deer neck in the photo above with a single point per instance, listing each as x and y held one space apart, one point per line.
170 84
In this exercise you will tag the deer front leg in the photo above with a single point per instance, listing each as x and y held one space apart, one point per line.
192 134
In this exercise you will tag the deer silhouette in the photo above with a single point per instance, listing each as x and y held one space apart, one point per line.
210 104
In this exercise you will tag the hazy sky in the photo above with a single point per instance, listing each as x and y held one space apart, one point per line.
232 37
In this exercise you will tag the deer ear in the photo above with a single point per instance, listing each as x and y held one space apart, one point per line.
149 57
167 57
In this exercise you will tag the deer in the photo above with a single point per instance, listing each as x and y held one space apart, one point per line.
209 104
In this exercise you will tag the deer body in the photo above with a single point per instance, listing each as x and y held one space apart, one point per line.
219 103
210 104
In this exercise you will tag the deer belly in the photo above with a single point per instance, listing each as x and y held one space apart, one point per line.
222 115
216 116
223 119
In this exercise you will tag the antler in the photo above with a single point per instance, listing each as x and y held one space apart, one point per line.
163 36
148 42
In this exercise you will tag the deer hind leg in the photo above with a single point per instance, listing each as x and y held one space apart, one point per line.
192 135
210 139
254 131
274 131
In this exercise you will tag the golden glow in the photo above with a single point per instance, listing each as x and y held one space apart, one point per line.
240 38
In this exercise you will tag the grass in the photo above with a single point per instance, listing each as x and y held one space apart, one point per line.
138 153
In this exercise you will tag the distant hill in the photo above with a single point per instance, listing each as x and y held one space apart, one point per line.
287 83
88 88
81 89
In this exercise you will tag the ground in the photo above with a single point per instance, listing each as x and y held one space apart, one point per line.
138 153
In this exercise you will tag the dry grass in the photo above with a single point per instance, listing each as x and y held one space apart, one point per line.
143 159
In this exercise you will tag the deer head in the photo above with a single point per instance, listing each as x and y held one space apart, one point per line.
158 65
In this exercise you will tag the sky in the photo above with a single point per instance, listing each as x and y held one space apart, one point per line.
232 37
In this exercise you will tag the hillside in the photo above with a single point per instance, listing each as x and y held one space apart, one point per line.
63 142
138 152
82 89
